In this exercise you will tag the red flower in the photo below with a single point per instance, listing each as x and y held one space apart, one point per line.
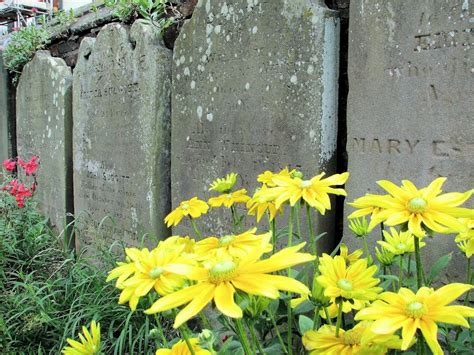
31 166
9 164
34 10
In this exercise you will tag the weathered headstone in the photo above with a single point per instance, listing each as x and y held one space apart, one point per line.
6 113
44 123
122 132
410 109
254 89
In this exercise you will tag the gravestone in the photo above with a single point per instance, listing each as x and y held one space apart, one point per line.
254 89
6 113
410 103
44 124
122 134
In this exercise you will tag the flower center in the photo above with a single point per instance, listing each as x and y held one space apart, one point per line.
229 196
417 205
185 206
222 271
305 183
401 246
352 337
226 240
344 285
156 272
415 309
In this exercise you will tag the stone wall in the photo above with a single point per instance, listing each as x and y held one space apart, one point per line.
254 85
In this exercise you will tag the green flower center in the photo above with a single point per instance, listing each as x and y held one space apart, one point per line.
401 246
222 271
156 272
305 183
352 337
226 240
185 206
344 285
415 309
417 205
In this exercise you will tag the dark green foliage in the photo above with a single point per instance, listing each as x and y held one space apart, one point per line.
47 294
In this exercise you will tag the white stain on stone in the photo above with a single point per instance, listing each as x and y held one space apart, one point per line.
247 86
209 117
329 95
186 71
294 9
217 29
465 5
310 69
224 9
193 84
294 79
254 29
199 111
208 6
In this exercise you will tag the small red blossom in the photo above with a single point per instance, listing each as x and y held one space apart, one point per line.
30 166
34 10
9 164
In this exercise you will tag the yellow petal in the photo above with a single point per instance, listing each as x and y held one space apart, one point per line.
200 301
430 332
176 299
224 299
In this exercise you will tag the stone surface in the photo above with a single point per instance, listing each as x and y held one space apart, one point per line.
44 124
410 101
5 145
122 133
254 88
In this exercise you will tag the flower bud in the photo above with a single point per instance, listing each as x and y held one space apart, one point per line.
297 174
360 227
317 291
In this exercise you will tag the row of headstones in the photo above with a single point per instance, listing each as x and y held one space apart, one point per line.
250 86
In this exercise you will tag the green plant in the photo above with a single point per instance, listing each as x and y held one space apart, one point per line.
159 12
47 294
22 47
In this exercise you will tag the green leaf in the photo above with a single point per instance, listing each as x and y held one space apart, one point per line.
438 266
305 324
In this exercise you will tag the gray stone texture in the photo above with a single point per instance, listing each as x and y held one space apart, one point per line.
44 123
410 103
122 133
6 113
254 89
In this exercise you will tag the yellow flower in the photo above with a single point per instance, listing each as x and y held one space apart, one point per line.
315 192
349 282
384 256
181 348
219 282
266 177
465 239
124 270
229 199
152 273
224 185
399 243
422 311
365 206
419 207
358 340
90 342
193 208
186 244
360 227
467 247
347 306
257 207
350 258
231 246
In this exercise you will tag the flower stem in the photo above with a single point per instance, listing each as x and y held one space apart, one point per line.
366 249
195 228
419 277
326 313
274 237
469 281
158 325
280 339
243 336
339 318
184 332
400 272
312 242
235 218
290 313
316 317
253 334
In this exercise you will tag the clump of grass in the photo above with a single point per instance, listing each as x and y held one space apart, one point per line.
47 294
